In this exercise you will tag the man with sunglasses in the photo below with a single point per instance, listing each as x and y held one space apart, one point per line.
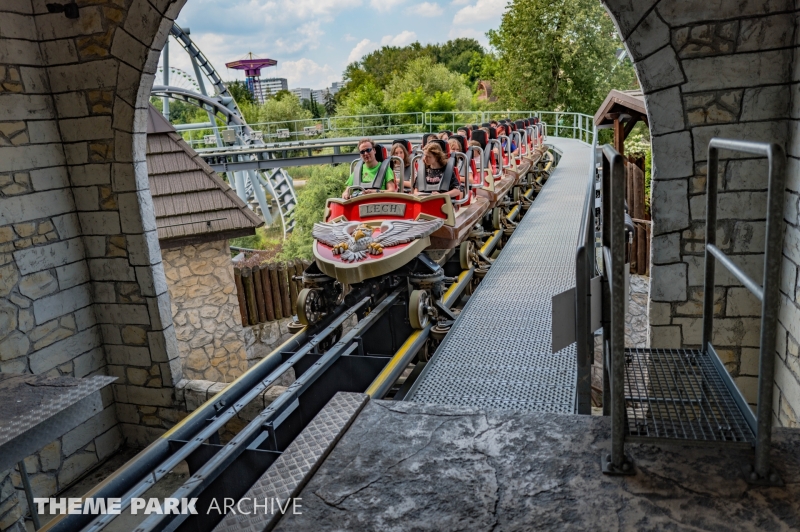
368 169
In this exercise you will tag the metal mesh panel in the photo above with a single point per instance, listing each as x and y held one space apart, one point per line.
677 394
497 354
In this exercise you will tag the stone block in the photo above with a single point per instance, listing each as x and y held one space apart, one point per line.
61 303
122 314
140 436
85 128
139 395
672 156
87 431
100 223
38 285
16 107
8 279
90 75
50 456
788 278
755 131
791 243
160 310
88 363
8 318
747 174
144 249
650 35
728 71
129 50
196 393
680 12
749 362
666 248
65 350
765 33
668 282
691 330
40 258
659 313
49 178
670 206
667 337
108 442
36 205
111 270
72 274
749 388
766 103
14 346
665 111
128 355
74 466
660 70
627 14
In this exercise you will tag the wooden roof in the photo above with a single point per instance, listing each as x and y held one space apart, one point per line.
192 204
620 102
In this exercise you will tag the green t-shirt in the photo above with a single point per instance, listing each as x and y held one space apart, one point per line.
368 176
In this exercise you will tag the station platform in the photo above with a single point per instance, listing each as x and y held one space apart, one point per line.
498 352
408 466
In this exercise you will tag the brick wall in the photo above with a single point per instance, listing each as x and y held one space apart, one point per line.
723 69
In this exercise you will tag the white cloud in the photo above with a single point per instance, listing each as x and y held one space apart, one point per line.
363 47
305 37
459 2
481 11
401 39
469 33
307 73
349 38
386 5
427 9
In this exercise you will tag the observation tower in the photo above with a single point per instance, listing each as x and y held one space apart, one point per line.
252 70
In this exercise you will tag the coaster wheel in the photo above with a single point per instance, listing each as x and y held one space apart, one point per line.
464 254
497 215
418 303
309 306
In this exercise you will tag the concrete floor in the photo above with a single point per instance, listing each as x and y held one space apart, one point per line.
405 466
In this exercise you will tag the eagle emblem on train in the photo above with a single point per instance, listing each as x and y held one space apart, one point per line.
355 241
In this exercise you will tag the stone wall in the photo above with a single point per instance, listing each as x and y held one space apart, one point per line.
81 286
208 324
722 69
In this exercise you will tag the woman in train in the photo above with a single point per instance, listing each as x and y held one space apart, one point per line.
504 130
400 149
435 161
465 132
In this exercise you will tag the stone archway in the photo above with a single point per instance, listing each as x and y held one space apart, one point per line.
720 68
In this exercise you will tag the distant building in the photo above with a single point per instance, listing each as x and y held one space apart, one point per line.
302 94
270 86
336 86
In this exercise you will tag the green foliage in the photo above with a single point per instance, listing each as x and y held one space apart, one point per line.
432 79
458 55
282 110
558 55
323 182
241 94
648 171
181 112
267 238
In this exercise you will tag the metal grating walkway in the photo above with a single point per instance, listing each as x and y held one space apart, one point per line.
497 354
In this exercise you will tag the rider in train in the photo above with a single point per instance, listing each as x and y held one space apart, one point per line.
440 176
372 172
401 149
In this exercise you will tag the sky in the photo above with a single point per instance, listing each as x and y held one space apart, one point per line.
314 40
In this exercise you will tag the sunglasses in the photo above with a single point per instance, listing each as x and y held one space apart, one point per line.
368 150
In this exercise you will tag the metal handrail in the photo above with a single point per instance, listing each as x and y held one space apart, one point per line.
768 292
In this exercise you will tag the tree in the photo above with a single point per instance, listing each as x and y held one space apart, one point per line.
431 78
458 54
241 94
558 55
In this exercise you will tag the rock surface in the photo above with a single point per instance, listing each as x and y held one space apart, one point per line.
406 466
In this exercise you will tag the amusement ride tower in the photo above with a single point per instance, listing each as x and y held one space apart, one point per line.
252 71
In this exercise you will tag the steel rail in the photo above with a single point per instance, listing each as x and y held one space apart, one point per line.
140 469
225 456
392 371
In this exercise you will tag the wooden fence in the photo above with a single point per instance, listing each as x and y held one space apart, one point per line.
639 250
268 292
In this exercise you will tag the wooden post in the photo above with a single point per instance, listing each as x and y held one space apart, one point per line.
237 278
276 291
292 271
641 232
298 271
284 288
249 295
638 192
259 288
647 250
619 136
267 286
